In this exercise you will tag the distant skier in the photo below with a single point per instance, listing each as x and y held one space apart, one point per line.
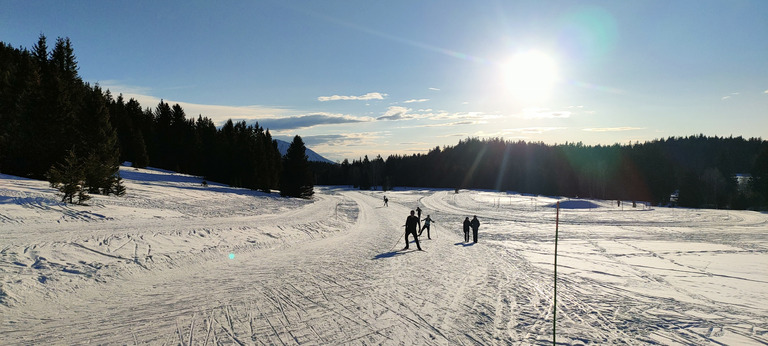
475 227
410 228
467 223
386 201
427 221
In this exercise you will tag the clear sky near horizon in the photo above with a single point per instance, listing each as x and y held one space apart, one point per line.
400 77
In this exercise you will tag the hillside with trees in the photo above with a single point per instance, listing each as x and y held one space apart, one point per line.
53 124
59 128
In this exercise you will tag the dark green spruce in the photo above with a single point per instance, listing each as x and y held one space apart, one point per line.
296 179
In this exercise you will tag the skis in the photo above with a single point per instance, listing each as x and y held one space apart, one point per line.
409 250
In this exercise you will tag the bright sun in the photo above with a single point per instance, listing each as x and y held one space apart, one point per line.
530 76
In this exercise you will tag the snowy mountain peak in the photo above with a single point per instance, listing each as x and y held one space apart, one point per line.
282 146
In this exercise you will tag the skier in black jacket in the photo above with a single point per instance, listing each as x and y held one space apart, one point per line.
410 228
475 226
467 223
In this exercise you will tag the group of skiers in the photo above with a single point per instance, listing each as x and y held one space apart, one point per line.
475 224
413 227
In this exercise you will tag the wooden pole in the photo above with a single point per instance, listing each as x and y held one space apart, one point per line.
554 302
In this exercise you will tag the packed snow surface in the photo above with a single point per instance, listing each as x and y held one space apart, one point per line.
176 262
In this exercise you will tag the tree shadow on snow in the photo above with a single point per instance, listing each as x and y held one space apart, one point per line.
464 244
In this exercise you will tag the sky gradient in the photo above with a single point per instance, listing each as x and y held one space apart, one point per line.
401 77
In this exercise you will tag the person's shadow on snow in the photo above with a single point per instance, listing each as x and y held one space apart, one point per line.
464 244
392 254
387 255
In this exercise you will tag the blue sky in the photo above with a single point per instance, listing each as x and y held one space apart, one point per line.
355 78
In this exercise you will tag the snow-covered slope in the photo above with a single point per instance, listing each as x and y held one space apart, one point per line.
174 262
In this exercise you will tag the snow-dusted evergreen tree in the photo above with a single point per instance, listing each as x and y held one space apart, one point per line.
296 179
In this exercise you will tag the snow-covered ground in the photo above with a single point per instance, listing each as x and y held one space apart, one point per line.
174 262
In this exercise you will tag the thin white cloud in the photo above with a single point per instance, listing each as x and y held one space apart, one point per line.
519 132
765 92
725 98
217 113
613 129
395 113
455 123
729 96
368 96
535 130
436 89
342 139
416 100
308 120
543 113
443 115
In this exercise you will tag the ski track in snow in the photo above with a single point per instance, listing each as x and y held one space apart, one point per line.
173 262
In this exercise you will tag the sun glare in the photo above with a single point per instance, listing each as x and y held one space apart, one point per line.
530 76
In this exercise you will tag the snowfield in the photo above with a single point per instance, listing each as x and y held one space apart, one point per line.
174 262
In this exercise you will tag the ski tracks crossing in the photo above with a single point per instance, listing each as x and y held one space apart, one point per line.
341 282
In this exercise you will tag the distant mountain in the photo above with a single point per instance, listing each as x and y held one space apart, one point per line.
282 146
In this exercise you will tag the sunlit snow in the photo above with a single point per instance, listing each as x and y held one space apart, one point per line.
176 262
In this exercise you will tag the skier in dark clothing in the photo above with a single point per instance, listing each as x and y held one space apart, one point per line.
467 223
418 215
410 228
427 221
475 226
386 201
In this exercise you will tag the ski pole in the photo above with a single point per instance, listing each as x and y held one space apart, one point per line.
398 240
395 244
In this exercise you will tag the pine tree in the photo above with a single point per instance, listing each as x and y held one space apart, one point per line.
274 161
296 179
64 61
40 50
140 158
69 178
119 189
365 174
98 143
141 132
164 157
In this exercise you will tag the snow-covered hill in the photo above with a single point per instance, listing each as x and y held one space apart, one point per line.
174 262
282 146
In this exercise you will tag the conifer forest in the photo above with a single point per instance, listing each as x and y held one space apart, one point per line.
56 127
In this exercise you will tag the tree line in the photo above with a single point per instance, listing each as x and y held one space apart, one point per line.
57 127
702 170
